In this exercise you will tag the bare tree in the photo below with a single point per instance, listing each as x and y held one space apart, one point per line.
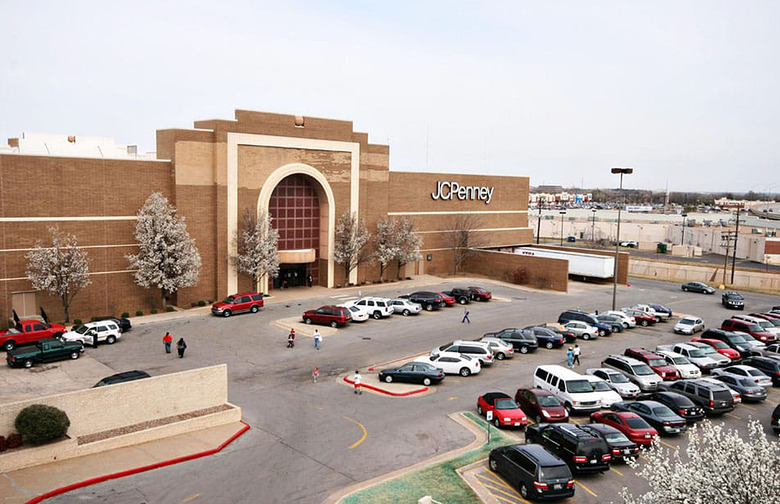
256 243
168 258
61 269
462 238
350 244
409 243
386 243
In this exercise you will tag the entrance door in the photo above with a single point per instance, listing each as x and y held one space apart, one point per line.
293 274
24 303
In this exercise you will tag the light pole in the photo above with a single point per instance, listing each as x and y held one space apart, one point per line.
736 238
562 212
621 171
539 225
593 226
682 242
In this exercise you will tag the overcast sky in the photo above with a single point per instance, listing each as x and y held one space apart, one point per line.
686 92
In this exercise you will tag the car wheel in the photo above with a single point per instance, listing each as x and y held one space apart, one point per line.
538 418
523 349
376 315
645 323
405 312
28 363
567 407
426 381
548 344
602 332
465 371
334 324
9 345
307 320
227 313
586 336
57 335
685 289
493 465
74 355
429 307
254 309
500 356
496 423
625 325
463 300
479 409
111 339
523 490
388 379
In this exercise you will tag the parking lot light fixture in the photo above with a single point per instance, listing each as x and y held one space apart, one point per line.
562 212
621 171
539 224
593 226
682 241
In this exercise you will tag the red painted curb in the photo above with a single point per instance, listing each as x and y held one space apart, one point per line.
386 392
122 474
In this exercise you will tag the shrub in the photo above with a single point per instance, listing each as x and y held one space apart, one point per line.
153 311
169 308
14 440
138 313
125 314
3 444
76 321
201 303
39 423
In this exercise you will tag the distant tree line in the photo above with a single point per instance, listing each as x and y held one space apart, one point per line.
647 197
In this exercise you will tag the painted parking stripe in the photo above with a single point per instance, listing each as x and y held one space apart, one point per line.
513 497
511 491
493 477
615 470
743 405
362 438
585 488
671 447
732 415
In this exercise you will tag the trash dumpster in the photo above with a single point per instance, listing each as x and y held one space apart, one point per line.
661 248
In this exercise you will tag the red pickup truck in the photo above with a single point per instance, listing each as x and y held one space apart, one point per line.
28 332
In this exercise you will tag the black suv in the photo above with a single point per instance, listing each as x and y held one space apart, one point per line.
733 340
533 471
522 340
767 365
428 300
731 299
583 451
462 296
713 398
775 420
122 377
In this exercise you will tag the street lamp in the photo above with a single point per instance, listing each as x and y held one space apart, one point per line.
682 241
562 212
621 171
539 225
593 226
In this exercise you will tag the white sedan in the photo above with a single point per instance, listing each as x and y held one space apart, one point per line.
405 307
628 320
582 330
741 371
686 368
359 313
501 349
689 325
452 363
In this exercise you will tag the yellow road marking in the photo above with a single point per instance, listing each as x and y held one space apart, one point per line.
748 407
615 470
517 499
491 476
511 492
362 438
671 447
452 398
191 497
734 416
585 488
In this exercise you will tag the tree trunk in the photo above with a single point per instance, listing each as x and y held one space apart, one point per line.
399 269
164 299
66 306
381 271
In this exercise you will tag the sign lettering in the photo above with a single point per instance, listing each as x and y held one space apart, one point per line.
451 190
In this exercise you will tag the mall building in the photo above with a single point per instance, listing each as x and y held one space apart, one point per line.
305 171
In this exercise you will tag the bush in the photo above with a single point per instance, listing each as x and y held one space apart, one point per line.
3 444
39 423
14 440
169 308
153 311
201 303
76 321
125 314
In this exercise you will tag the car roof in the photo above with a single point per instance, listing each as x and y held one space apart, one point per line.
497 395
603 428
540 453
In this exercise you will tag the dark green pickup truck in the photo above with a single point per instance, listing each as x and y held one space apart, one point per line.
44 351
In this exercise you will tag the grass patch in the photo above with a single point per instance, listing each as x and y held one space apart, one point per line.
440 480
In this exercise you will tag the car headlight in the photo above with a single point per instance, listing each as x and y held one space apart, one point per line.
545 414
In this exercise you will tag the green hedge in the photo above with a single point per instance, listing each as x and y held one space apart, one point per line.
39 424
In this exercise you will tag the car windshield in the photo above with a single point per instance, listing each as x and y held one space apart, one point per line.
698 353
663 411
618 378
549 401
80 329
746 382
354 309
637 423
643 370
736 338
578 386
600 386
616 437
229 300
680 360
754 328
766 325
505 404
656 362
720 344
686 321
756 373
554 472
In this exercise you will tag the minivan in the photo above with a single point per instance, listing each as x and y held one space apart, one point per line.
333 316
533 471
573 389
750 328
583 451
636 371
713 398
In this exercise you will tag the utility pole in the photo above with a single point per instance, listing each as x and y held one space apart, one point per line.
727 237
539 225
734 257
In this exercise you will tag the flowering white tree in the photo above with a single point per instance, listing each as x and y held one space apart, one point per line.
386 243
720 467
350 244
408 244
61 269
168 258
256 243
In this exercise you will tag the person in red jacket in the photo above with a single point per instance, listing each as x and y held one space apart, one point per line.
167 340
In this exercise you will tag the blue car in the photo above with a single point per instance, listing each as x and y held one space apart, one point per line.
661 309
547 338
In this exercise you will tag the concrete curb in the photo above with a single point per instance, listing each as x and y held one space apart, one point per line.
121 474
387 392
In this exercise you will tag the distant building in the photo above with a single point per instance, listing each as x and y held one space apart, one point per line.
42 144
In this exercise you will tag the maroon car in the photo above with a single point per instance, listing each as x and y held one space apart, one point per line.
656 363
448 300
333 316
541 405
642 318
632 425
238 303
480 294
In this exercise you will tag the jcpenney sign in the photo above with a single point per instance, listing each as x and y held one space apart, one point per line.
451 190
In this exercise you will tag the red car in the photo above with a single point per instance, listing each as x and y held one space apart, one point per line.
542 405
506 412
720 347
237 303
752 329
448 300
656 363
632 425
642 318
480 294
333 316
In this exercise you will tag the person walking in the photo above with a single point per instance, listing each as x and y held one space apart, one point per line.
317 339
310 280
358 381
465 316
167 340
291 339
315 374
576 353
181 346
569 357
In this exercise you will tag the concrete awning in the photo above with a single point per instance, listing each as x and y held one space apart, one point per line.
297 256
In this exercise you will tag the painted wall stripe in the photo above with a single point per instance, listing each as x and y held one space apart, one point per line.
70 219
464 212
80 246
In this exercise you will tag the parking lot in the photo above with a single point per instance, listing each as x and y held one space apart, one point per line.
302 447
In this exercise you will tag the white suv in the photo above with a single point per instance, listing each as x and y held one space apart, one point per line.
92 333
686 368
376 307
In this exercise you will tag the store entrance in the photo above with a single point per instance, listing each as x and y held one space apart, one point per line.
291 275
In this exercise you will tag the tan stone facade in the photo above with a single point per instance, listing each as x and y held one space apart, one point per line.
216 172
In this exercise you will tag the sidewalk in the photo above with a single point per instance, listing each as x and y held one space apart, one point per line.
35 484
